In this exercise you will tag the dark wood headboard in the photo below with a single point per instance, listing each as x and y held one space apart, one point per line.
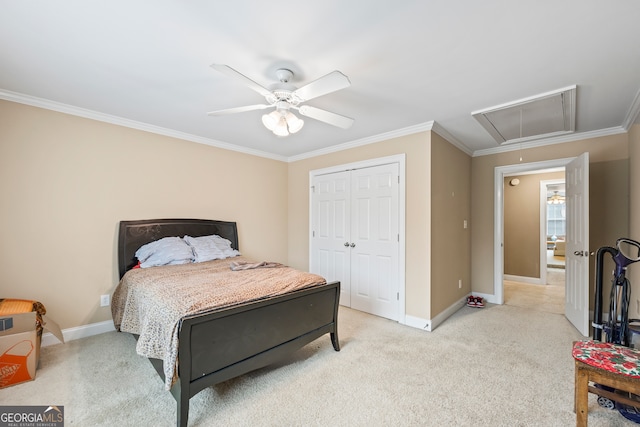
133 234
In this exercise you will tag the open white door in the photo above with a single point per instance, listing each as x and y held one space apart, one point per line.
577 249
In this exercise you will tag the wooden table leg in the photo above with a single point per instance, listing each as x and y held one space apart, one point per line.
581 399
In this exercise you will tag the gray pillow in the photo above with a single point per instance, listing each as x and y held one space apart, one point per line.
207 248
166 251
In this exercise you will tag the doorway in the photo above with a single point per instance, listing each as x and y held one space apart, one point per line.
553 231
577 246
534 240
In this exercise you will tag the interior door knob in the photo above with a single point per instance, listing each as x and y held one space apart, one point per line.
353 245
346 244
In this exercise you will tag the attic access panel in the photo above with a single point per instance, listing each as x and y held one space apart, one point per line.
545 115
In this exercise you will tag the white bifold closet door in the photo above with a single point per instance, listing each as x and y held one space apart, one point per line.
355 236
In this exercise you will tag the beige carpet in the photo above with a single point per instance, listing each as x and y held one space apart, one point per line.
549 297
495 366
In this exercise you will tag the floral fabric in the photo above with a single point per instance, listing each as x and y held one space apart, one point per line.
608 356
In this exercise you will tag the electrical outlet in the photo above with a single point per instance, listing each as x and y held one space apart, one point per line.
104 300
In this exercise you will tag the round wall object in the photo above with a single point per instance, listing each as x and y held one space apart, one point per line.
514 182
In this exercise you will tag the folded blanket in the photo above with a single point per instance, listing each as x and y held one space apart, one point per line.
243 265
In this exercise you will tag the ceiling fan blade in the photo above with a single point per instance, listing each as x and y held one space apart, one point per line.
238 110
326 116
330 83
225 69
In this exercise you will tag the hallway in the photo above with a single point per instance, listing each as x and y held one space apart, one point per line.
548 298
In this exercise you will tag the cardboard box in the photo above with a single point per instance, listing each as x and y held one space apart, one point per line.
20 346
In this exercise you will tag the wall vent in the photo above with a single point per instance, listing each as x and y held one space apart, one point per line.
541 116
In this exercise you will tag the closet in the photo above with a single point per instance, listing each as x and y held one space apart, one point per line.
355 236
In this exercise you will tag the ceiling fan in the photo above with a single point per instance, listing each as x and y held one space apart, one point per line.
284 97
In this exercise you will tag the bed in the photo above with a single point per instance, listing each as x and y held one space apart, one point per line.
223 343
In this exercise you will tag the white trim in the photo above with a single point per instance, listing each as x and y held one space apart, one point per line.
120 121
489 126
450 139
78 332
397 158
448 312
498 216
551 141
422 127
430 325
633 113
488 298
525 100
542 236
417 322
400 159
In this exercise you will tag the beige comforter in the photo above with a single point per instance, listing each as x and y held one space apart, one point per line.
150 302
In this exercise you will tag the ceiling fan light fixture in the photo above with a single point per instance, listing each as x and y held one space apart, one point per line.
285 96
271 120
294 123
555 199
281 127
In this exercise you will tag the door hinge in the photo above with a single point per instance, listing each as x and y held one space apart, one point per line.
398 296
398 237
313 233
313 188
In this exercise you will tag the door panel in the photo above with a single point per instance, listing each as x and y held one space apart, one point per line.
331 212
577 246
376 219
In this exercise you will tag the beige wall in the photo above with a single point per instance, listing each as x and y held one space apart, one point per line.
608 157
417 245
522 224
66 181
450 241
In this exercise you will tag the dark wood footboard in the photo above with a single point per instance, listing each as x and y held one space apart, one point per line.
224 344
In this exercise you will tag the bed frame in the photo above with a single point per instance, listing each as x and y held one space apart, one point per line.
223 344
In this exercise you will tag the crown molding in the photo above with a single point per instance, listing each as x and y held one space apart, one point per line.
120 121
422 127
450 138
633 114
551 141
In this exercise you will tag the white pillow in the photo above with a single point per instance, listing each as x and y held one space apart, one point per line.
225 246
207 248
166 251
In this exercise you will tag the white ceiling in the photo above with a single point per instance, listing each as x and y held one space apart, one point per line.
412 64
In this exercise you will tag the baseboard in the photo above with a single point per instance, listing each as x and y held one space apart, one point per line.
417 322
523 279
78 332
490 298
430 325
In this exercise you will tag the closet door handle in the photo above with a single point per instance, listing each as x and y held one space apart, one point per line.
346 244
353 245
